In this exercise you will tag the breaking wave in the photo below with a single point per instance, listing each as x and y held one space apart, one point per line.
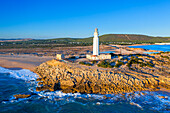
154 100
23 74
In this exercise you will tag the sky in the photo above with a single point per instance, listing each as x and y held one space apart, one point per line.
41 19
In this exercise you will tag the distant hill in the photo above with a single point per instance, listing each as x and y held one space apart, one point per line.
68 42
119 38
14 40
103 39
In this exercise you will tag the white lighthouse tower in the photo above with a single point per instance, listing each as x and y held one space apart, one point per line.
96 55
96 43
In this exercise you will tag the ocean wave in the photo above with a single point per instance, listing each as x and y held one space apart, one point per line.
138 99
23 74
155 100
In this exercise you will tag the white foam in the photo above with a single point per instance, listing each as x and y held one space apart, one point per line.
138 105
23 74
98 103
138 99
60 94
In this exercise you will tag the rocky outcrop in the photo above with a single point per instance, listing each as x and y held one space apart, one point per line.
69 77
17 96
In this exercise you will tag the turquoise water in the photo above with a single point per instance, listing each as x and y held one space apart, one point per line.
108 52
153 47
151 52
23 81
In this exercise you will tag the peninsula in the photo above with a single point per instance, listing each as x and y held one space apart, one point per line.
93 69
106 73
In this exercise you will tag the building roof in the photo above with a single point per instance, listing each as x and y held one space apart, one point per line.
94 55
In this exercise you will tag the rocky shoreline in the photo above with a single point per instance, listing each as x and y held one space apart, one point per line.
71 78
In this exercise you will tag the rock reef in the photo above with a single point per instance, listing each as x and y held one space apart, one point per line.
17 96
72 78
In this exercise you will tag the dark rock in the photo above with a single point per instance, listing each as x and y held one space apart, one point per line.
17 96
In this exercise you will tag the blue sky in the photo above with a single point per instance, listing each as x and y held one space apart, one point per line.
78 18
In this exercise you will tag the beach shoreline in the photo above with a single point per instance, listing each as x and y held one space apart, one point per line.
29 61
150 44
16 62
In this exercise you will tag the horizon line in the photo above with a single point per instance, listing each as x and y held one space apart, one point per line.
46 37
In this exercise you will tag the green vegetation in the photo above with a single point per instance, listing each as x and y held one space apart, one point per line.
84 63
104 64
165 57
149 64
139 61
68 42
72 57
118 64
161 53
107 64
132 38
165 52
94 62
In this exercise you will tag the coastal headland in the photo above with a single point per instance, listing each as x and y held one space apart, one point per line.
72 76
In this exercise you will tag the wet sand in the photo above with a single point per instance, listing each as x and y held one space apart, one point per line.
16 62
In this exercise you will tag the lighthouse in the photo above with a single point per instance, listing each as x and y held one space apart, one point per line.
96 43
96 55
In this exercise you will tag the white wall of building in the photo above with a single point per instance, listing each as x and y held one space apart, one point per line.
96 43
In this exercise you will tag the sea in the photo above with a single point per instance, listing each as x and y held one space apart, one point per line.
163 48
23 81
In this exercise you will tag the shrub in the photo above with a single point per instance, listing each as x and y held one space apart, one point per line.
149 64
165 57
73 57
128 64
104 64
94 62
87 64
118 64
139 61
82 63
142 64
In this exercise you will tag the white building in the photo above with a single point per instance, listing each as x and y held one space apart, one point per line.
59 56
96 55
99 57
96 43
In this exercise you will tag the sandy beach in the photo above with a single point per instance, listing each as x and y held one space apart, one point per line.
22 61
28 61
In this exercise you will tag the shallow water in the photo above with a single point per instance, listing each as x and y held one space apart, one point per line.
23 81
153 47
107 52
150 52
